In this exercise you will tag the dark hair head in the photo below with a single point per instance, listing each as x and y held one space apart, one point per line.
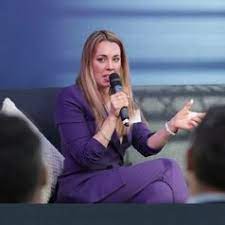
208 149
20 160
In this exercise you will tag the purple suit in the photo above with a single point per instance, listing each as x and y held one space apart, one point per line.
93 173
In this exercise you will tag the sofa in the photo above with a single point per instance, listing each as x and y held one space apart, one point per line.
158 104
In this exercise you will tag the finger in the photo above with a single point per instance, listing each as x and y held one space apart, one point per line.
123 95
188 105
193 123
120 93
123 102
119 102
126 94
123 99
197 119
116 95
195 116
201 115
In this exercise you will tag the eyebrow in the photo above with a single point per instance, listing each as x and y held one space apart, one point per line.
106 55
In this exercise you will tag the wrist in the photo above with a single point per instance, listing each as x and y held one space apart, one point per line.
112 117
171 128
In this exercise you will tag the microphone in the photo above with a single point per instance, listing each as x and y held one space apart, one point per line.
116 86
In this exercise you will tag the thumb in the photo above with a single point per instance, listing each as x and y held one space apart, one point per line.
189 104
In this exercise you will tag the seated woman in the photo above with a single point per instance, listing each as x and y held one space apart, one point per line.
94 140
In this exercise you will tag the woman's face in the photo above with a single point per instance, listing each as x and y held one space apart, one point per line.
106 60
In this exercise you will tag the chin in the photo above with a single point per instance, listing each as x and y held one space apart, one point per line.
104 86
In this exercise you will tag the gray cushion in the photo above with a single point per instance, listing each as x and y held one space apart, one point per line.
37 104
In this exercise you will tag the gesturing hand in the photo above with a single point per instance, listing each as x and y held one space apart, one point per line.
186 119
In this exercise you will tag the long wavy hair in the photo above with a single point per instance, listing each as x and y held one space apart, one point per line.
87 81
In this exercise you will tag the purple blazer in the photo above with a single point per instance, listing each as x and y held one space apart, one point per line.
87 162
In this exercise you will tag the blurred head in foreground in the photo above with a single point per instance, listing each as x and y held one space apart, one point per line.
206 157
22 173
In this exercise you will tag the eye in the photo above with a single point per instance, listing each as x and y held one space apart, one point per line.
101 60
117 59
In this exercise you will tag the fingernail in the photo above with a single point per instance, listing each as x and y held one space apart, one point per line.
192 101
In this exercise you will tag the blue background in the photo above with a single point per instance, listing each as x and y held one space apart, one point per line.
168 42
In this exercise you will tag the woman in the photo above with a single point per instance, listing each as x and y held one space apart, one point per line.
94 139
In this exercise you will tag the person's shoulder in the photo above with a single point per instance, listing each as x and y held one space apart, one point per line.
71 92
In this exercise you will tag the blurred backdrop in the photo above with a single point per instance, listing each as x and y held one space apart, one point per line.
168 42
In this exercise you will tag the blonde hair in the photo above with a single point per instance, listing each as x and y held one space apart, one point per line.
87 81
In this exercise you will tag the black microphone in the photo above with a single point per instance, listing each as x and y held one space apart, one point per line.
116 86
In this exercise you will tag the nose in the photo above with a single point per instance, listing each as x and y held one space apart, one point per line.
110 66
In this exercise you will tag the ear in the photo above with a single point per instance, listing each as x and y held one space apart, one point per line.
190 166
43 178
42 181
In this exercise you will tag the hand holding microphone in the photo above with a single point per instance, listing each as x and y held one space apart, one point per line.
119 98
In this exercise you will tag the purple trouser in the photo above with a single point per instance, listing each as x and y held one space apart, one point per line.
152 181
155 181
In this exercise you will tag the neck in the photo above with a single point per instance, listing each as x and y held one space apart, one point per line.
197 187
201 188
105 94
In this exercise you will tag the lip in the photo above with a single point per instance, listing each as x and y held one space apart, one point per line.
106 79
106 76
